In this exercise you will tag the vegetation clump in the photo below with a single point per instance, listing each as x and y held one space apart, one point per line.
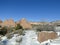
3 30
46 27
18 26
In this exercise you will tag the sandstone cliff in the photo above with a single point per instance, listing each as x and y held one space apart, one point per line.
9 23
25 24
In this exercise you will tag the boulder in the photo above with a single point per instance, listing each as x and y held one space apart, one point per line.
45 35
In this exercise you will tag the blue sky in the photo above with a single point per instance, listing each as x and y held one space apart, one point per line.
32 10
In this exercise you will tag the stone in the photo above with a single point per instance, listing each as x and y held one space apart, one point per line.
44 36
25 24
9 23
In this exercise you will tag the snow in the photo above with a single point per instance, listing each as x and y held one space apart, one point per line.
30 38
4 38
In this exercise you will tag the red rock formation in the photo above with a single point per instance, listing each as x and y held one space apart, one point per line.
9 23
43 36
26 25
1 22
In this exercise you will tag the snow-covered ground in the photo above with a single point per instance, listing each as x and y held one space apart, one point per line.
15 40
30 38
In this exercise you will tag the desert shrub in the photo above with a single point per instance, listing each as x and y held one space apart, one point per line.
3 31
18 27
0 26
46 27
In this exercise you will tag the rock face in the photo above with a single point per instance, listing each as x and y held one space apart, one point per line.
1 22
9 23
44 36
25 24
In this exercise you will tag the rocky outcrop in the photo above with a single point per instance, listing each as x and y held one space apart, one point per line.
9 23
25 24
44 36
1 22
